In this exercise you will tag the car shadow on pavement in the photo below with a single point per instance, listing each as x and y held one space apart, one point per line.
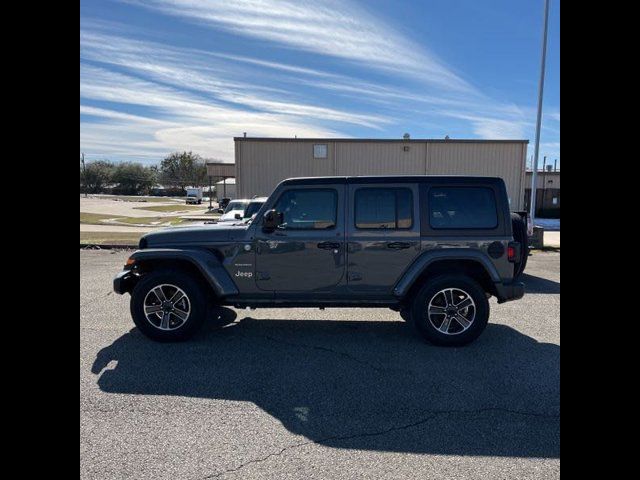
533 284
360 384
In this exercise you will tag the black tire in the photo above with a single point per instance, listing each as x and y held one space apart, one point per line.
430 291
196 297
519 228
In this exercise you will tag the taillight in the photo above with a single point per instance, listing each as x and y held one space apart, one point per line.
513 251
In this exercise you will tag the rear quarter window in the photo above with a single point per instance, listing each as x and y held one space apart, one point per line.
462 208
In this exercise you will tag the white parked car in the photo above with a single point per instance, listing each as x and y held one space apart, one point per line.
252 208
234 211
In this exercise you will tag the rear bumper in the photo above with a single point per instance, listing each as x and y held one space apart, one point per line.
123 282
509 291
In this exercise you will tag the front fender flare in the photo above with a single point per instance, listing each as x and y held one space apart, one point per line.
424 260
206 262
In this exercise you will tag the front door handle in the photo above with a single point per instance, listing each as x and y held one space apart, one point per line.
329 245
398 245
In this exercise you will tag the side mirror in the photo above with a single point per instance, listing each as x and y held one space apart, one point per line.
221 210
237 216
271 220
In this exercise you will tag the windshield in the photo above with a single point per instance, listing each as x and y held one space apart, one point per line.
252 209
236 205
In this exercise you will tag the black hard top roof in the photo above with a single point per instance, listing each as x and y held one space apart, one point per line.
460 179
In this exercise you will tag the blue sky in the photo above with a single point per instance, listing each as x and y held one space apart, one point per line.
158 76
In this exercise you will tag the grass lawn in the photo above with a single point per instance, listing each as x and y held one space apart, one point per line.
150 221
133 198
97 219
118 238
172 208
93 218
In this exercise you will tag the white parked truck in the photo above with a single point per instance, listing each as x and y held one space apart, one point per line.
194 195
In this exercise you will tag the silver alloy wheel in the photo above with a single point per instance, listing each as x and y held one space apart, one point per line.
167 307
451 311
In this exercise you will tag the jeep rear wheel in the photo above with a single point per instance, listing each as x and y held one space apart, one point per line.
168 305
451 310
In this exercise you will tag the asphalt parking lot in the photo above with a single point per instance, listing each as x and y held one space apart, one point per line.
304 393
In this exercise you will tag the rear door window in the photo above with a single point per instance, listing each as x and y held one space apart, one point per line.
462 208
383 208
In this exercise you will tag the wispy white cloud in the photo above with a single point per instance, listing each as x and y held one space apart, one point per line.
187 69
506 126
333 28
176 121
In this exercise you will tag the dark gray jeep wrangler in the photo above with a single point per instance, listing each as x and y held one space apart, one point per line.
432 248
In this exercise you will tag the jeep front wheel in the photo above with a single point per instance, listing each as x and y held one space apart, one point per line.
168 305
450 310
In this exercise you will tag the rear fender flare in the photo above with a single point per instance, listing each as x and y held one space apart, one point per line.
423 262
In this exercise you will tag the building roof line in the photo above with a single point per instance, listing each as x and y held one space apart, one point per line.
378 140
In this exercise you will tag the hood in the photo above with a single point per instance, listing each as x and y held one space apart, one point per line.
197 235
230 216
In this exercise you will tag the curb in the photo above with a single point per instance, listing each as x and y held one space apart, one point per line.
546 248
107 246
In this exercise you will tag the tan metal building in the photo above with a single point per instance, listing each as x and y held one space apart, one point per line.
547 193
261 163
544 179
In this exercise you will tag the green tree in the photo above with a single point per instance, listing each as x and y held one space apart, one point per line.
134 178
183 169
96 176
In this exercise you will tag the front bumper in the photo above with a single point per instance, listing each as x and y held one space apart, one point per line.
123 282
509 291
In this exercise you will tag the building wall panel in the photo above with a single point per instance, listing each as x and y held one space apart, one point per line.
505 160
388 158
262 164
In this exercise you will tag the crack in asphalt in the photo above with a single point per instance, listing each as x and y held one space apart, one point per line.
330 350
433 415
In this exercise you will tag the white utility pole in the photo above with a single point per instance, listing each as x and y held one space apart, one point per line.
84 173
534 174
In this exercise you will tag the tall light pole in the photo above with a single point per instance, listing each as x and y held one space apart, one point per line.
84 174
532 202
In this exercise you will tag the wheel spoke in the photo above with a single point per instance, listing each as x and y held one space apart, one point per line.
446 323
150 309
176 297
165 321
159 294
436 309
448 297
181 314
467 302
462 321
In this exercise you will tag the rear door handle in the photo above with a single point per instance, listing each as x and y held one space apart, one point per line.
398 245
328 245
